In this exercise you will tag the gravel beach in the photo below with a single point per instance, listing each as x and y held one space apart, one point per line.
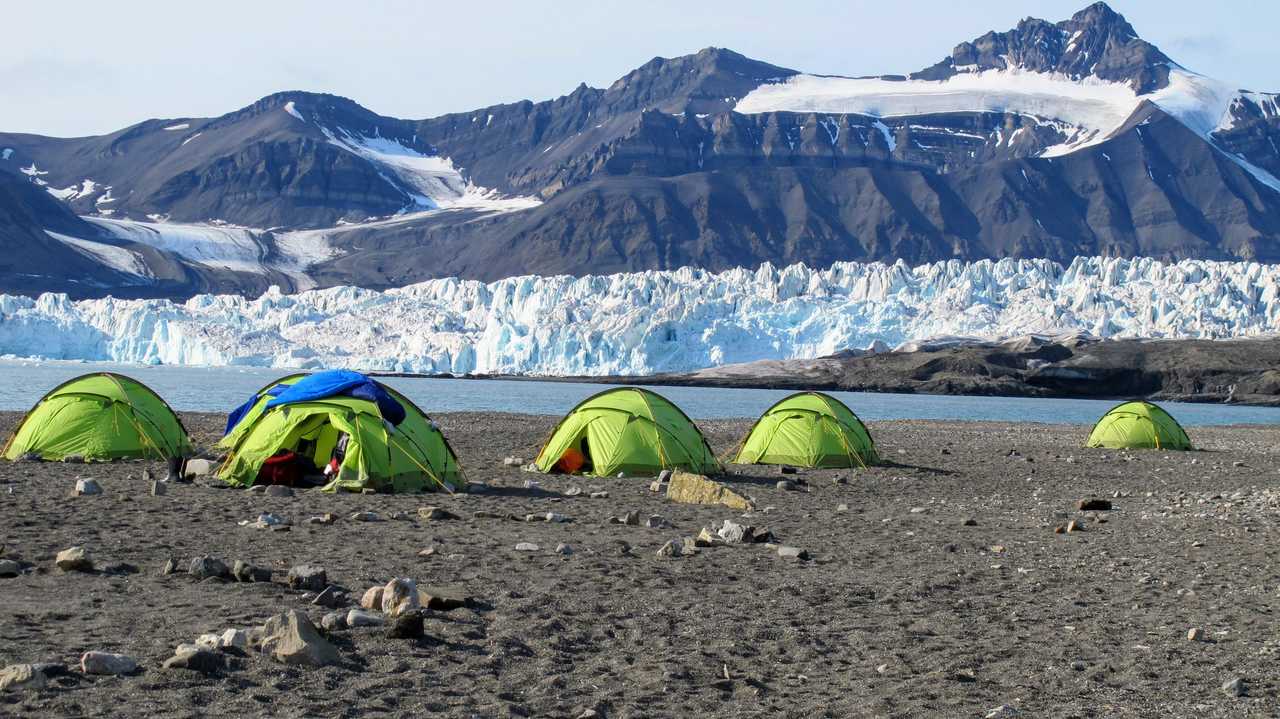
935 585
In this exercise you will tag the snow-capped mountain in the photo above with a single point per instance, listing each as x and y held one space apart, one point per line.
653 321
1051 140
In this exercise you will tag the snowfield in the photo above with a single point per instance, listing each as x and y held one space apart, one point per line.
653 321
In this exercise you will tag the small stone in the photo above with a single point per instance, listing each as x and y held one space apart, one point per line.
1237 463
839 479
513 461
372 598
74 559
198 468
563 549
1236 687
334 621
107 663
526 547
258 489
680 547
406 626
656 486
1004 711
87 487
9 568
306 577
787 485
74 459
599 495
631 519
656 521
21 677
842 507
918 510
429 551
1094 505
622 475
364 618
554 518
291 638
195 658
326 518
267 520
170 567
206 567
279 490
793 553
734 533
706 538
1079 666
400 595
237 638
573 491
970 522
436 514
365 517
158 488
1195 634
1075 526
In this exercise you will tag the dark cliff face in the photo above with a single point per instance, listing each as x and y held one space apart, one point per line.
657 171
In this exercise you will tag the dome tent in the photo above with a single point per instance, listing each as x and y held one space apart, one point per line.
1138 425
307 414
99 417
631 430
808 429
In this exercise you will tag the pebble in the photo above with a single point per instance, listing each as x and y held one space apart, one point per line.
307 577
334 621
364 618
436 514
918 510
1195 634
631 519
1094 505
792 553
656 521
195 658
159 488
573 491
198 467
599 495
326 518
170 566
564 549
372 598
87 487
9 568
74 459
555 518
365 517
970 522
74 559
839 479
245 572
513 461
107 663
1004 711
787 485
526 547
680 547
328 597
842 507
1236 687
206 567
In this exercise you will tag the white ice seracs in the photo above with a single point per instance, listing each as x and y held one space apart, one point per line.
653 321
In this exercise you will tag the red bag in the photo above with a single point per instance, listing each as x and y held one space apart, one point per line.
283 468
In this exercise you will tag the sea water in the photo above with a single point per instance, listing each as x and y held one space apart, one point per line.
219 389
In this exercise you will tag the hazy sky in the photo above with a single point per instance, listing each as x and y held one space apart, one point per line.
79 67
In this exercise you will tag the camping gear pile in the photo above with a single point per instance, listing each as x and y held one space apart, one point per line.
346 431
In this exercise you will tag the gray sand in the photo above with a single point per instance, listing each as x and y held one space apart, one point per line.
898 613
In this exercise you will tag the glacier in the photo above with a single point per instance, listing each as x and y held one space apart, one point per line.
658 321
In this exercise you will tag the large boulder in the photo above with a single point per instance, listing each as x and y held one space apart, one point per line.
74 559
21 677
307 577
689 488
291 638
107 663
400 595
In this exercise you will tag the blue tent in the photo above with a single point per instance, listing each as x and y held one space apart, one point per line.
329 383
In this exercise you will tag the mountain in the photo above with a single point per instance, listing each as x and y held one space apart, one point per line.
1051 140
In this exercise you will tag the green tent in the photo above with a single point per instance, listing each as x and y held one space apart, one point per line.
808 429
101 416
631 430
411 457
1138 425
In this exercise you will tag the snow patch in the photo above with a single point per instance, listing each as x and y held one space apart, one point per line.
189 139
179 126
648 322
6 153
117 258
228 248
289 108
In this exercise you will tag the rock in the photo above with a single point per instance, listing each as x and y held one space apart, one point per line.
291 638
74 459
656 486
198 468
326 518
400 595
170 566
158 488
427 552
734 533
918 510
258 489
244 572
21 677
205 567
107 663
1075 526
1236 687
526 547
74 559
622 475
656 521
513 461
631 519
554 518
198 659
267 520
334 621
328 597
688 488
372 598
839 479
237 638
9 568
599 495
30 457
664 476
1004 711
707 539
563 549
406 626
307 577
365 517
784 469
793 553
680 547
573 491
436 514
787 486
1094 505
532 484
364 618
1195 634
842 507
87 487
442 599
970 522
279 490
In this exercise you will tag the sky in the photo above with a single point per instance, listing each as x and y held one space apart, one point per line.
81 68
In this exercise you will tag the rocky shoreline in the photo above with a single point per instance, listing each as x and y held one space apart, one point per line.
984 569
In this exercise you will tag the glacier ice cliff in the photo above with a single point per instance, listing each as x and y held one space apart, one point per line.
649 322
